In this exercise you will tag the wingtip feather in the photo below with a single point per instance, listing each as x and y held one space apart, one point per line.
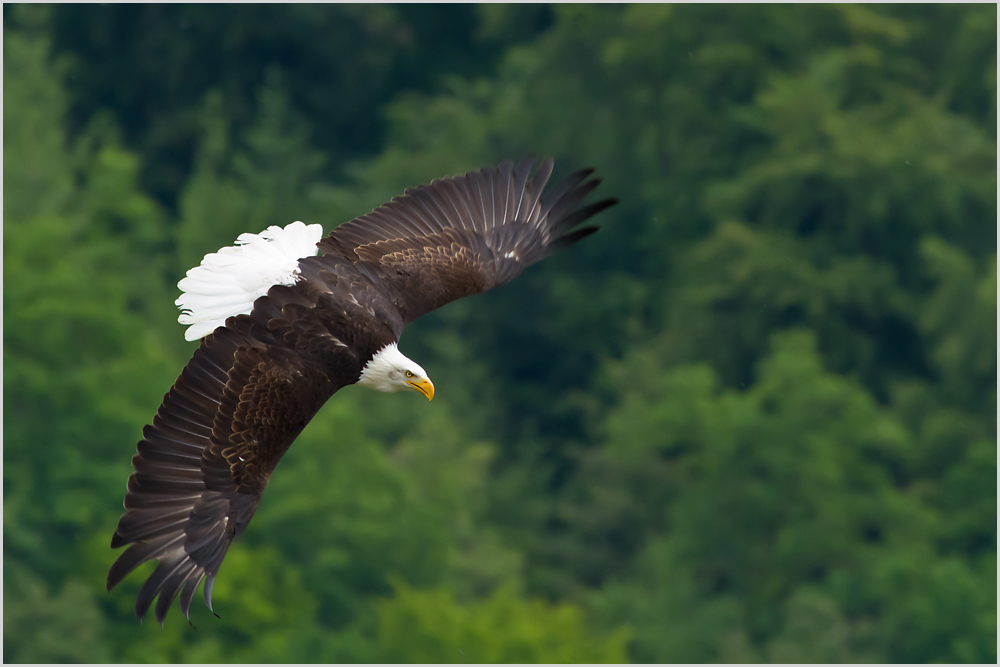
207 590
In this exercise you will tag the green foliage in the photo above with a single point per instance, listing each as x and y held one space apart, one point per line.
959 320
153 66
754 419
45 627
429 626
233 190
36 181
778 505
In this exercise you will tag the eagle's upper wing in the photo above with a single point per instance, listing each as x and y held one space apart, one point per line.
466 234
243 398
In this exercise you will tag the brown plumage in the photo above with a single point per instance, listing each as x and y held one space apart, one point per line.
255 383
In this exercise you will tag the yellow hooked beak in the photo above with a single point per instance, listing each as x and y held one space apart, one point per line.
424 386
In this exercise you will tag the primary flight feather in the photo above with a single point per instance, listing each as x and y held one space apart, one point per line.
287 318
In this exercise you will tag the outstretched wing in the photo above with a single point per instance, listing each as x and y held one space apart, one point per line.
203 464
463 235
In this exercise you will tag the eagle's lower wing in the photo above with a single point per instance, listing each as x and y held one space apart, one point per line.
203 464
466 234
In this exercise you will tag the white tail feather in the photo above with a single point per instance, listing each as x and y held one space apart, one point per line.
229 281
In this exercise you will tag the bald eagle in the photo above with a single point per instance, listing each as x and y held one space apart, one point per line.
287 318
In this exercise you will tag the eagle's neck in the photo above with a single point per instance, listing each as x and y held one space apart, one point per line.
378 372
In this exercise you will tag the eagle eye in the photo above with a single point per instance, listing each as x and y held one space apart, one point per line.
409 374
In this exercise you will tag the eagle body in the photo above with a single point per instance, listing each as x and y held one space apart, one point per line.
288 318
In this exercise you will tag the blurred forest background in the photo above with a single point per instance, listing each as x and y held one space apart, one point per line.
753 419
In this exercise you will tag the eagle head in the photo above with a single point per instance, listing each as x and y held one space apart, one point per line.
390 370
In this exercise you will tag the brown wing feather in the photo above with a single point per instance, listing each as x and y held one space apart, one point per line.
203 464
167 494
466 234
